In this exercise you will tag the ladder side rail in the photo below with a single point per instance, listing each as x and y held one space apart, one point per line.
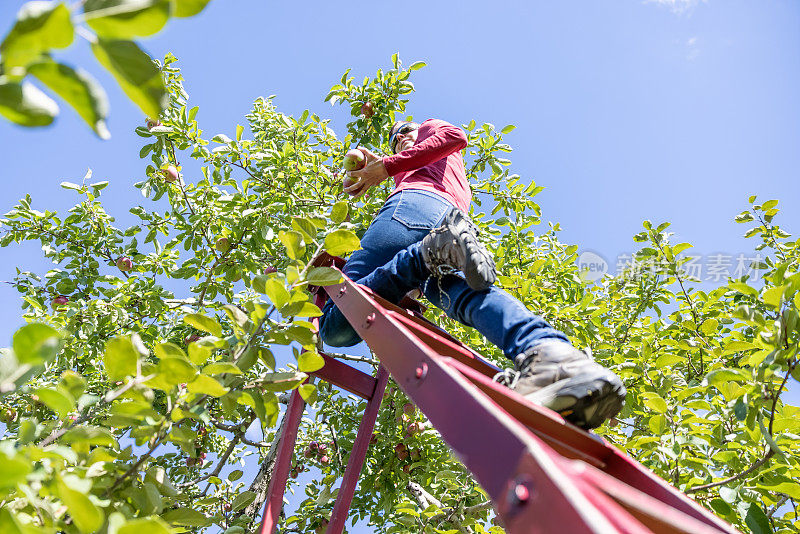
508 461
625 469
545 423
357 456
446 347
441 338
662 517
283 460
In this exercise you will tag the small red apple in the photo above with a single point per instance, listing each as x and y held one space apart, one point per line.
324 460
226 507
308 453
354 160
414 428
152 123
124 264
222 244
170 174
406 468
400 447
191 339
60 300
269 269
367 109
314 446
323 447
402 455
293 473
408 408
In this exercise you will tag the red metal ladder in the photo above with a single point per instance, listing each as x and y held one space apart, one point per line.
542 474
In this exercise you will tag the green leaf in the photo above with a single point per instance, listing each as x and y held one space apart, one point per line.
310 361
78 89
186 517
40 26
282 381
169 350
89 435
135 72
124 19
341 242
56 401
339 211
206 385
417 65
9 523
654 402
272 288
36 343
84 513
723 376
120 358
308 392
25 104
189 8
13 470
508 129
757 520
148 525
242 500
294 243
176 371
206 324
323 276
219 368
709 326
773 295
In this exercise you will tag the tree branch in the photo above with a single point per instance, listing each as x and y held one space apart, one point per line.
738 476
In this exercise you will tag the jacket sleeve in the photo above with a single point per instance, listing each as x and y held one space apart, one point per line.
444 140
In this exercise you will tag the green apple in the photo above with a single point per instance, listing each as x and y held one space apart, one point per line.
222 244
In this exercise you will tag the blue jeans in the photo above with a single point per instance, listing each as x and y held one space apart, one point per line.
390 263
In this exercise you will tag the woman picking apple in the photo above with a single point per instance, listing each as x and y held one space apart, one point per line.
422 236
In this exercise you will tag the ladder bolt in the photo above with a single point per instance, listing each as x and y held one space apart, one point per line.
370 320
521 494
422 371
342 291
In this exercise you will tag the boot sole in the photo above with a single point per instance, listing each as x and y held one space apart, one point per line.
472 272
586 401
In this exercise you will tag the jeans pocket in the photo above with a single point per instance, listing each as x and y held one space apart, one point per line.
419 210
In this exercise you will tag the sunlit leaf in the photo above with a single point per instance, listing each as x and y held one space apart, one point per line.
40 26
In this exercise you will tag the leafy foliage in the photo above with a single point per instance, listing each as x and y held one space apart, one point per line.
127 382
44 26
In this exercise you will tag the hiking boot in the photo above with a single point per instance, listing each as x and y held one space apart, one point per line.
558 376
454 246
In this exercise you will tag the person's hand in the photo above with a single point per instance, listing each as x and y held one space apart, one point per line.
357 183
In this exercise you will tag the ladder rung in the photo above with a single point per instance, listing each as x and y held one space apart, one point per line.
346 377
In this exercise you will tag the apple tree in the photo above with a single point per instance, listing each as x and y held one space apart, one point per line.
109 27
154 353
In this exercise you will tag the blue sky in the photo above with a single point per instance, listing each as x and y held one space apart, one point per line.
627 110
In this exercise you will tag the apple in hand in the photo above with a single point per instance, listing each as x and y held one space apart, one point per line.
124 264
354 160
